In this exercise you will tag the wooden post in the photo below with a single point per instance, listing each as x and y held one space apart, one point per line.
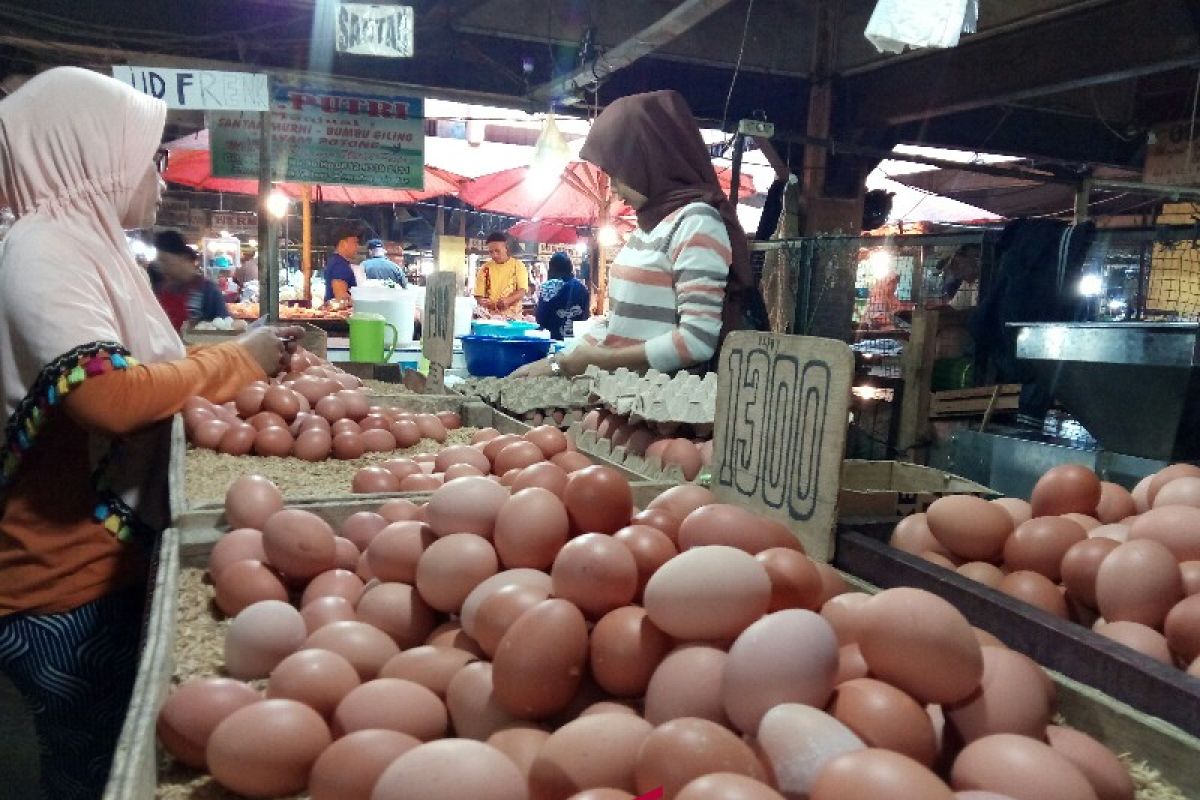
919 355
306 240
1083 199
268 229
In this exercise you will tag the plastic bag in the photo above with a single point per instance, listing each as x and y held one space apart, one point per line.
897 24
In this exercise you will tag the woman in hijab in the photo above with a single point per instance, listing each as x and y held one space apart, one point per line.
91 372
683 279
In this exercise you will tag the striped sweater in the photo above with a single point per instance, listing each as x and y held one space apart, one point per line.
667 286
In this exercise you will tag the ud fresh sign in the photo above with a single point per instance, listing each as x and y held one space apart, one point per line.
199 89
365 29
327 136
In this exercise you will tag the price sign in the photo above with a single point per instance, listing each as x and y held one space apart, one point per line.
780 433
437 325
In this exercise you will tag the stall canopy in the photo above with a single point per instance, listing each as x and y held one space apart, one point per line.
189 164
552 232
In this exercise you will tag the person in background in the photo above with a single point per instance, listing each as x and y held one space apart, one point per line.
502 282
92 372
883 304
960 268
248 271
381 268
339 271
684 277
228 286
184 294
562 299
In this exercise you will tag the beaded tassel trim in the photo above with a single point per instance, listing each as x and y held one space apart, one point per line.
57 380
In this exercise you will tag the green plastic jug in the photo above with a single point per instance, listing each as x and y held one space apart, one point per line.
367 339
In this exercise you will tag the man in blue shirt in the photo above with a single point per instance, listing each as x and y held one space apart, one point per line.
339 274
381 268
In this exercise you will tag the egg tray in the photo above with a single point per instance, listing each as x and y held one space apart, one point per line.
681 398
522 396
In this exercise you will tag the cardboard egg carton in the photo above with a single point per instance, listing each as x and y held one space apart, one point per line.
682 398
650 467
526 396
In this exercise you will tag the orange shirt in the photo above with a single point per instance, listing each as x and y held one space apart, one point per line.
54 556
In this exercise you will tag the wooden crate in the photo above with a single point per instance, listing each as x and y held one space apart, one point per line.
890 490
974 402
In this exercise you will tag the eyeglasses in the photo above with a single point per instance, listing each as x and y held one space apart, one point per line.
161 158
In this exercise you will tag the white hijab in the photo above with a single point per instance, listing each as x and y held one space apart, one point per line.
75 151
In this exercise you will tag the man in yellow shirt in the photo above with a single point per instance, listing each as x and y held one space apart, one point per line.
501 283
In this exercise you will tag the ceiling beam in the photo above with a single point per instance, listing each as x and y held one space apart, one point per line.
674 24
1100 44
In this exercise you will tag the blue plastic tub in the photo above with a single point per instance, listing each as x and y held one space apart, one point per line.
495 357
502 329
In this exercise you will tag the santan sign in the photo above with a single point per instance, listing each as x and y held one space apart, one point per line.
364 29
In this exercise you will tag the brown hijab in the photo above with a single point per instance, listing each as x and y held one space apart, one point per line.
651 143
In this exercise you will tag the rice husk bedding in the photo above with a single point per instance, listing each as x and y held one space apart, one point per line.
384 388
209 473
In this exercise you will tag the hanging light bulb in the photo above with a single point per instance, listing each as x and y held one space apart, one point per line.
278 204
550 157
607 236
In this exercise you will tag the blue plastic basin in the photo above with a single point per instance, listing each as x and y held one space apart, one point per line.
495 357
502 329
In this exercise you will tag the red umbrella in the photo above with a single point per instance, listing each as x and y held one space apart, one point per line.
575 199
189 164
552 231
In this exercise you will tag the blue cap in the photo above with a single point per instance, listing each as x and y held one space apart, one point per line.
375 244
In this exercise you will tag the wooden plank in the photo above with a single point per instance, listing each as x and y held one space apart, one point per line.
437 326
780 431
919 355
980 391
1145 684
972 407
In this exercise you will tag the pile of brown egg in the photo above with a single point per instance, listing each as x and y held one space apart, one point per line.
1125 564
685 446
558 644
313 412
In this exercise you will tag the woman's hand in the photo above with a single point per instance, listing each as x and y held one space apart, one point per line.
272 347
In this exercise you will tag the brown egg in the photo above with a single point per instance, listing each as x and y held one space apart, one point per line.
282 401
356 402
708 593
945 562
400 510
540 661
331 407
1040 544
626 649
596 573
797 741
1116 503
299 544
1018 509
518 455
1080 565
325 610
598 500
883 716
366 647
193 711
530 529
921 644
685 455
659 518
1136 636
378 441
1086 522
374 480
249 400
393 553
982 572
1011 698
348 446
208 433
521 576
484 435
334 583
851 664
1190 573
267 749
795 580
238 440
450 420
1105 772
312 388
688 683
273 442
1020 767
238 545
397 610
268 419
461 454
243 583
727 786
423 483
970 527
542 475
363 526
912 535
467 505
733 526
871 774
351 766
1036 590
471 700
452 769
406 432
592 752
844 613
500 610
1118 532
549 439
313 445
392 704
832 582
1175 527
1138 582
683 500
1165 476
1065 489
571 462
520 744
789 656
317 678
431 427
650 548
430 666
250 501
452 566
345 426
1182 629
677 752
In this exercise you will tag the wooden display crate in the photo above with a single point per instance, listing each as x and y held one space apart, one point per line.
974 402
890 490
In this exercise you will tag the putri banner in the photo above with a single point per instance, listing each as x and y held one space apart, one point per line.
327 136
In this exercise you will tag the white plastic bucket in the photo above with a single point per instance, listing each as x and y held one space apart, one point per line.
397 306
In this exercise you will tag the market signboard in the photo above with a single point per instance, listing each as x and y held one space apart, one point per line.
780 430
1173 156
326 136
199 89
367 29
234 221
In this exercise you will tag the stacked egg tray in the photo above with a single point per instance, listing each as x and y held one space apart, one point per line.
537 401
682 398
646 467
1162 759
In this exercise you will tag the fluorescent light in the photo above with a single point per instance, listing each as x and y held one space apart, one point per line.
881 264
278 204
1091 285
607 236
